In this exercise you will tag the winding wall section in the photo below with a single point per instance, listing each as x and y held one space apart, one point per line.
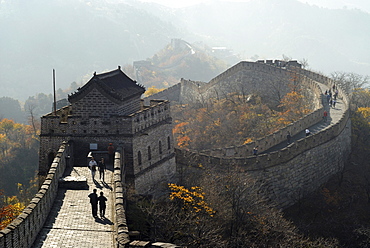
296 170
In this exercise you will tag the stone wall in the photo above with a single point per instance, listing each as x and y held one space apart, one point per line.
118 130
279 136
171 94
23 230
153 158
290 173
293 172
120 222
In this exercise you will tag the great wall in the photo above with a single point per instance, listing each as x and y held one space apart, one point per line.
289 173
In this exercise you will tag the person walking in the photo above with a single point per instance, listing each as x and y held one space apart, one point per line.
94 203
325 116
102 206
307 132
334 102
102 168
92 166
110 153
288 138
255 150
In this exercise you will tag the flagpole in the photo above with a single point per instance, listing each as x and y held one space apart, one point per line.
55 102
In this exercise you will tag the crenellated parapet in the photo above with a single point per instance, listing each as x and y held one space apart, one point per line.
296 170
158 111
23 230
279 136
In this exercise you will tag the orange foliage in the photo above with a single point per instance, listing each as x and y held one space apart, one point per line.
180 131
293 106
10 210
234 120
247 140
191 199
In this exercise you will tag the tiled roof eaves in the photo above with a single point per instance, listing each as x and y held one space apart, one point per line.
116 95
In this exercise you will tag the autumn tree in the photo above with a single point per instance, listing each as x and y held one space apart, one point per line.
360 98
234 119
294 106
183 217
350 81
10 208
226 209
40 104
19 155
152 90
247 218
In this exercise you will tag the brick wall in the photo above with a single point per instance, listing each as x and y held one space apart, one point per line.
293 172
23 230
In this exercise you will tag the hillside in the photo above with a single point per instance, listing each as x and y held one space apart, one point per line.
331 40
179 59
79 37
75 38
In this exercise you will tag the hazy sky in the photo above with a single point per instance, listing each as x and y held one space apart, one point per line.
333 4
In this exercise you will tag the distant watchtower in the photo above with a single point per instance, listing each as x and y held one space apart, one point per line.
109 109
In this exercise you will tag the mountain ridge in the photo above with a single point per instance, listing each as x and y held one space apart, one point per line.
79 37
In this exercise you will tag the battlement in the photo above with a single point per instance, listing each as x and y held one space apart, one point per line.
146 146
158 111
23 230
296 170
66 125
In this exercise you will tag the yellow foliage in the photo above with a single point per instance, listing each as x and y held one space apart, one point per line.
247 140
192 199
152 90
365 112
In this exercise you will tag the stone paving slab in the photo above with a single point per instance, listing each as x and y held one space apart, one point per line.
70 222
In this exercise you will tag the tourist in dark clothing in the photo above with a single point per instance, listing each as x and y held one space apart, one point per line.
94 203
102 167
255 150
102 206
110 153
289 138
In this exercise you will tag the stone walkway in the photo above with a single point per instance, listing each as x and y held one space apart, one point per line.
70 222
334 115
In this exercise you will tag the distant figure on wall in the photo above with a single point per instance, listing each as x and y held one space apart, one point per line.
325 116
307 132
255 151
110 153
289 138
94 203
334 102
102 167
92 166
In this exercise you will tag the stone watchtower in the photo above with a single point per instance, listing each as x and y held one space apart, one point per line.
109 109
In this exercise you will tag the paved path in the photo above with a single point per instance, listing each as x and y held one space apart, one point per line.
70 222
334 115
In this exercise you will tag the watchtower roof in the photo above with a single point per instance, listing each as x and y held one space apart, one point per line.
115 84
